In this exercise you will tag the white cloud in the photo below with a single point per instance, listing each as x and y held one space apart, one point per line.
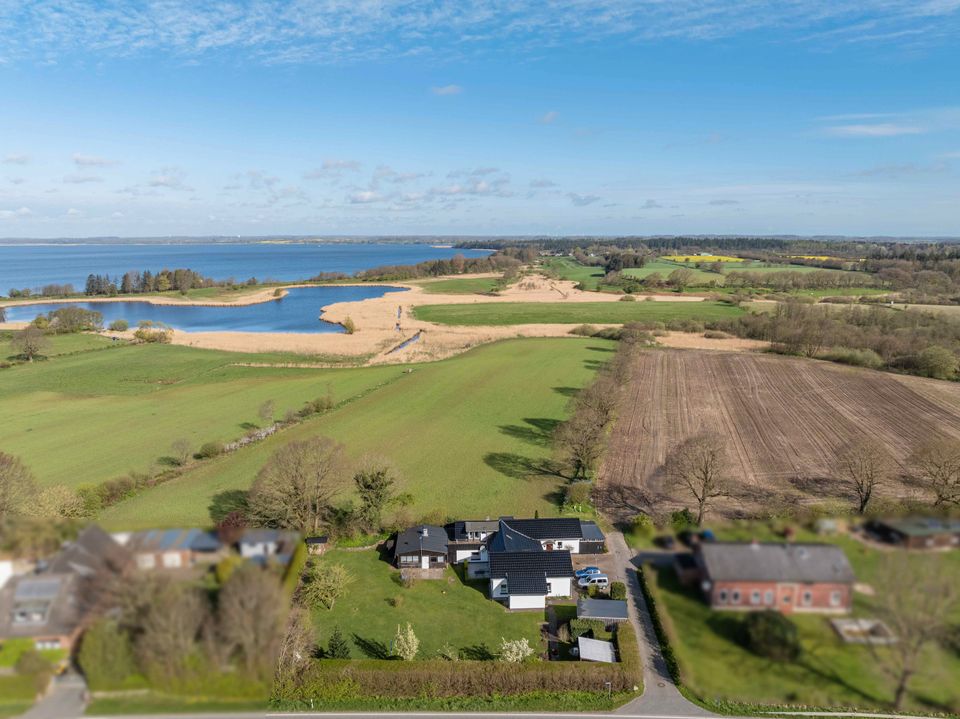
549 117
170 178
385 173
117 215
651 205
92 161
722 201
579 200
78 179
364 197
881 129
333 169
542 184
73 212
447 90
20 213
16 159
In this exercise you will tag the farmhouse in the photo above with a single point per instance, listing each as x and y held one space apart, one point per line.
421 547
53 605
264 545
524 578
172 548
749 576
917 532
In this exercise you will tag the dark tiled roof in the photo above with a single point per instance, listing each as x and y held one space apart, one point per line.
746 561
601 609
550 528
508 539
176 540
266 536
92 552
412 540
527 584
591 532
923 526
544 564
51 595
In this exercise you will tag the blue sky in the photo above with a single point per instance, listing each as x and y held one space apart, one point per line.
330 117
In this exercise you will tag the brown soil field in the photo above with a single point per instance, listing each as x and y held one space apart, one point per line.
785 419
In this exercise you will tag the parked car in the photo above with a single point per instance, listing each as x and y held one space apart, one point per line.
665 542
594 580
587 571
708 536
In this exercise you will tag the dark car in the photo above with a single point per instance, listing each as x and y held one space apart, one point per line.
687 538
665 542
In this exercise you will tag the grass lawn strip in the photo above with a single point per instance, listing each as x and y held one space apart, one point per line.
518 313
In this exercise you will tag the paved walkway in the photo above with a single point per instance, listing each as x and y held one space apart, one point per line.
660 695
65 700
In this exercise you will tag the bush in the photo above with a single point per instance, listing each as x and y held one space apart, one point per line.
580 627
771 635
349 325
119 326
855 357
642 526
937 362
682 519
577 494
106 657
209 450
715 335
618 590
584 330
628 298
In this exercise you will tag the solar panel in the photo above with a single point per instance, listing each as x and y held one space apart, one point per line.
29 589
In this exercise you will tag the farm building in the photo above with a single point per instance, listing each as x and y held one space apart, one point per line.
917 532
748 576
172 548
421 547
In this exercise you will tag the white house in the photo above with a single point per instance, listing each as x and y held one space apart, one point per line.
524 580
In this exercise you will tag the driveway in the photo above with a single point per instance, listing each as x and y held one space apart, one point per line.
67 699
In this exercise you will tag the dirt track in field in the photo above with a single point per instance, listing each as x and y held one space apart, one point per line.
784 418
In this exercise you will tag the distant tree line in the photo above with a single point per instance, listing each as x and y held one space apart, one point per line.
180 280
501 261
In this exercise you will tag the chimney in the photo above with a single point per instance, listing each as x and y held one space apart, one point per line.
425 532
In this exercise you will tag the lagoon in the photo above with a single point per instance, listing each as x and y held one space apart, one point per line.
299 311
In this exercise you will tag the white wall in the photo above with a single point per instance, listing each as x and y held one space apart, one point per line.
6 570
527 602
571 545
559 586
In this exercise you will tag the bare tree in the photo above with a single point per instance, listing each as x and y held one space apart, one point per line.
29 342
266 411
173 616
297 647
865 466
17 486
323 584
580 441
918 599
700 465
936 467
182 449
251 618
295 487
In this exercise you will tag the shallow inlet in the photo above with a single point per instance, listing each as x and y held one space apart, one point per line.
299 311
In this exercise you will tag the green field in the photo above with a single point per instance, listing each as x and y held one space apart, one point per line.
461 286
468 434
446 611
517 313
830 673
61 344
568 269
665 267
91 416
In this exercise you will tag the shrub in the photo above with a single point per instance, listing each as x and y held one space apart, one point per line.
682 519
209 450
771 635
405 643
397 601
855 357
937 362
515 651
449 652
119 326
618 590
349 326
580 627
32 664
642 526
628 298
584 330
337 647
577 494
715 335
106 656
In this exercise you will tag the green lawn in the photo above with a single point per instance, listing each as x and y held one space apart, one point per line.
60 345
830 673
16 694
515 313
461 285
468 434
92 416
441 612
665 267
569 269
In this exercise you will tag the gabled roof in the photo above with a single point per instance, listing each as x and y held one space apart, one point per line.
266 535
426 537
549 528
509 539
542 564
527 585
92 552
483 525
591 532
595 650
614 609
923 526
770 562
174 540
53 596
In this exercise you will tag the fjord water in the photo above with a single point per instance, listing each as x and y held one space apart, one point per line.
35 265
299 311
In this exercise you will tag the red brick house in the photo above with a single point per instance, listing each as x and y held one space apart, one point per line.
745 576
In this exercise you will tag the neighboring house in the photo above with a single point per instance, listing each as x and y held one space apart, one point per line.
593 541
13 567
173 548
53 605
264 545
552 533
749 576
609 611
421 547
917 532
468 537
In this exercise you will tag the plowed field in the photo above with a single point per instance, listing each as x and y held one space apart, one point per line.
784 419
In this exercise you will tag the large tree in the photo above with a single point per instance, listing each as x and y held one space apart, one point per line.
29 342
172 617
17 487
374 485
865 466
295 487
700 465
251 618
936 467
323 584
918 599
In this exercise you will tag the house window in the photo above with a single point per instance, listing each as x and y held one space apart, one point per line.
736 596
835 598
807 598
172 560
755 596
723 596
768 597
559 545
504 589
549 588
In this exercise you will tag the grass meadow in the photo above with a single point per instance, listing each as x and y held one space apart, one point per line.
516 313
469 435
460 286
